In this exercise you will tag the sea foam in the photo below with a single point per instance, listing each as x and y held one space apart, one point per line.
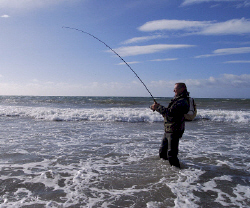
115 114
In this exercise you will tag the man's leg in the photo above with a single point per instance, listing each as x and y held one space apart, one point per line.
163 151
173 143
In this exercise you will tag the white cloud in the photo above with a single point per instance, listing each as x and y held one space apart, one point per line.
72 89
226 85
142 39
239 2
210 87
230 27
238 62
167 59
27 4
173 25
246 3
148 49
157 60
229 51
235 80
234 27
225 80
131 62
226 51
5 16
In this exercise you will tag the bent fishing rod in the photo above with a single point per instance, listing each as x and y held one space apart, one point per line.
116 54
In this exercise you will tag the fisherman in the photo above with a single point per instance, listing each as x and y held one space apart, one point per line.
174 123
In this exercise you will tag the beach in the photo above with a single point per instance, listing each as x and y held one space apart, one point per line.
103 152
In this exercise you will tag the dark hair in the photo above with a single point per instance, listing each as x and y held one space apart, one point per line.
183 86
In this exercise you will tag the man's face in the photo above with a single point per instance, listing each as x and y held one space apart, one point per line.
177 90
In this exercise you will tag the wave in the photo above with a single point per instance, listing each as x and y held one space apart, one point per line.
224 115
115 114
92 114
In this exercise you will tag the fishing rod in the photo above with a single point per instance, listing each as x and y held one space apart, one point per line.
116 54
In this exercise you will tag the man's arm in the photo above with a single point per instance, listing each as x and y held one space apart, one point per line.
159 108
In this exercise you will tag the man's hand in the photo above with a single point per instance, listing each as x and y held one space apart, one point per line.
154 106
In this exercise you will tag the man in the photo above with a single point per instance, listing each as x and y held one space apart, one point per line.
174 123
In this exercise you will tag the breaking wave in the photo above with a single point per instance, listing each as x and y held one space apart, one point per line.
115 114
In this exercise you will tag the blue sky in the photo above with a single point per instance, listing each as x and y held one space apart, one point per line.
204 43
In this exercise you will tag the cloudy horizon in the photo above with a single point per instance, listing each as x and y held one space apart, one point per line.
209 52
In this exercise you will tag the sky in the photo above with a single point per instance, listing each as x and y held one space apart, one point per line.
204 43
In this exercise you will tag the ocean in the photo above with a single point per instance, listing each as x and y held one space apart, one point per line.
103 152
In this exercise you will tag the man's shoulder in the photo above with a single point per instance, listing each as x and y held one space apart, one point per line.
182 99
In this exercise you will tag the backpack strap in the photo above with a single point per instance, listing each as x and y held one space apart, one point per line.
192 110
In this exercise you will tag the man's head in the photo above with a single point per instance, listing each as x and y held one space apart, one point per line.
179 88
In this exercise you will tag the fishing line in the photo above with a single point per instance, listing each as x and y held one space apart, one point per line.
116 54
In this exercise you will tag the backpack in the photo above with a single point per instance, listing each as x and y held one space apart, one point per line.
192 110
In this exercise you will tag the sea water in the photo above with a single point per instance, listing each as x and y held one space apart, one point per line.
103 152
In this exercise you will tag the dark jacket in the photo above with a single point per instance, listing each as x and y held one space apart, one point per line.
174 120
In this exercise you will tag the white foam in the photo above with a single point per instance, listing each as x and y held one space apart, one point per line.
241 193
115 114
224 115
86 157
184 188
